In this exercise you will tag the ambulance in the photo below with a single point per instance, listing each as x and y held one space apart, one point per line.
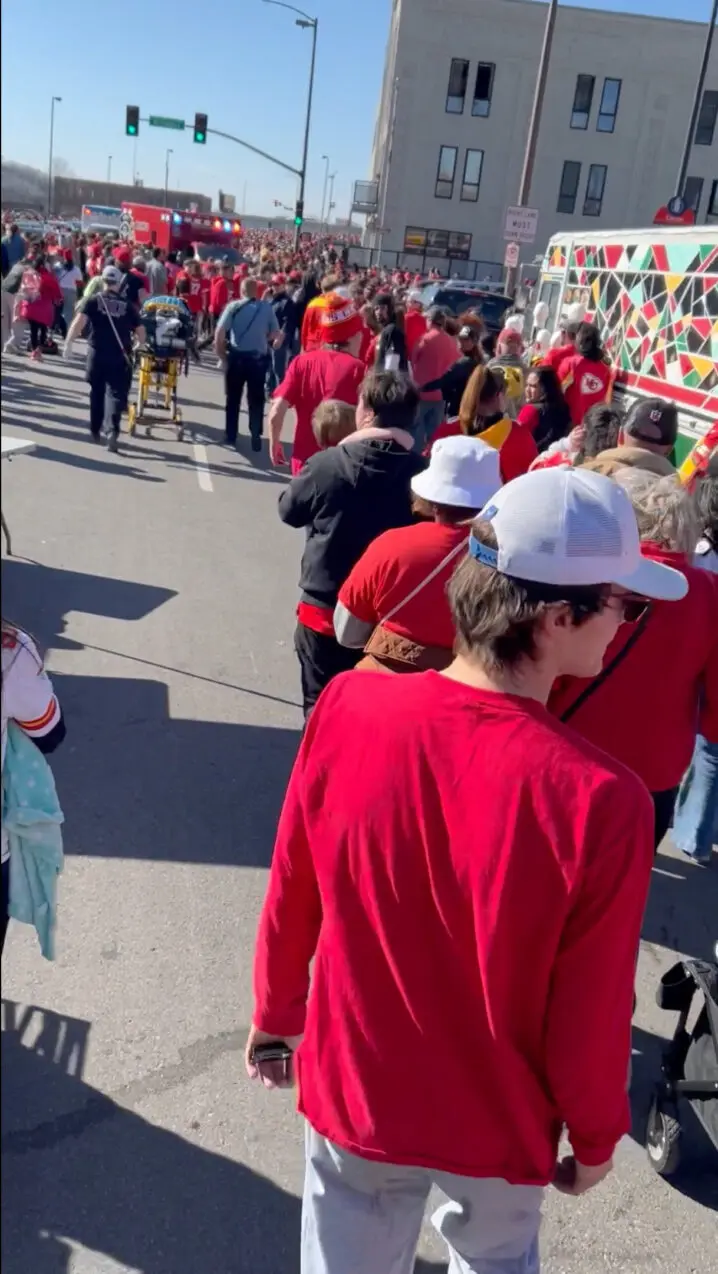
654 296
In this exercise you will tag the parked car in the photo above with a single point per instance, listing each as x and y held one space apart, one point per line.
457 297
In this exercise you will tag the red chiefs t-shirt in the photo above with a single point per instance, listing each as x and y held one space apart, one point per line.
516 454
221 292
584 382
311 379
415 326
389 571
194 299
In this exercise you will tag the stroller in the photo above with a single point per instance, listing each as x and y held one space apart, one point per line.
689 1064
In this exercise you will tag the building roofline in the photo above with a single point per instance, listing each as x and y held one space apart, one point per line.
615 13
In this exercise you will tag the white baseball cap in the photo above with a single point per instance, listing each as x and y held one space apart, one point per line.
112 274
570 527
463 472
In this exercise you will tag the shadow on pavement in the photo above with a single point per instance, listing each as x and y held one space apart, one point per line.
191 791
39 597
682 911
697 1176
80 1169
113 466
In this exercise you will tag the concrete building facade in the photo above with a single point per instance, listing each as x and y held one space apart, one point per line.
452 123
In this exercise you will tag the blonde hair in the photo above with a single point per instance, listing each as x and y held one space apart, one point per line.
332 421
482 388
665 511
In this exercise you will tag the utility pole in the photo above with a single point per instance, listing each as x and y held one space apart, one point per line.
527 171
109 169
313 23
49 166
324 192
685 157
167 175
330 205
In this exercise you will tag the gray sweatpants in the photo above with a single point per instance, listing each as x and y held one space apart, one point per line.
363 1217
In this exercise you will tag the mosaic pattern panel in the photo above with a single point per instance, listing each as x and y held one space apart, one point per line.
657 308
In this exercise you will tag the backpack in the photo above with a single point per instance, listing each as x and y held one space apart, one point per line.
30 285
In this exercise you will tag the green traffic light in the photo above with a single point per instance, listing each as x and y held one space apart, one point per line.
297 221
199 137
132 130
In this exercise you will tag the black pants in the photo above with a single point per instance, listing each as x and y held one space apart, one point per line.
663 804
5 902
109 382
249 370
320 659
38 334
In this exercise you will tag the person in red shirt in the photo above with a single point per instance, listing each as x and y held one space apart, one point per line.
482 415
393 605
223 289
332 371
434 354
446 952
646 711
195 296
585 376
565 347
311 333
415 322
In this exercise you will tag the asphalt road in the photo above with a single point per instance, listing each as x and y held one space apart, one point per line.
164 587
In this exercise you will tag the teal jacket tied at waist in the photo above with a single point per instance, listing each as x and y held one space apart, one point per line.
32 819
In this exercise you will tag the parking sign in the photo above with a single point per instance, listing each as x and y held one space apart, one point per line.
521 225
511 255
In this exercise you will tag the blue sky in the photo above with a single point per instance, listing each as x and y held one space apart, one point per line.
243 62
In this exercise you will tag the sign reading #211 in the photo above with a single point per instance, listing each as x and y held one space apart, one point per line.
521 224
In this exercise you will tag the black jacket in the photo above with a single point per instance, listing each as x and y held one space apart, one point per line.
286 311
391 341
345 497
554 423
453 383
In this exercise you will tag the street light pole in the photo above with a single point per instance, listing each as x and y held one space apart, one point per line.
330 205
685 157
109 169
324 192
304 20
527 171
167 174
49 166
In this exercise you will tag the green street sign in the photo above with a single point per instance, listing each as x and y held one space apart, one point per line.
160 121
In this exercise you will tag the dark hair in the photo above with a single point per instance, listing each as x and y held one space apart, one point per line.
571 331
601 427
588 342
549 382
156 253
497 616
707 501
392 397
488 344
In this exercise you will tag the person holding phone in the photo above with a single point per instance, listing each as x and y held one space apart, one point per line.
447 948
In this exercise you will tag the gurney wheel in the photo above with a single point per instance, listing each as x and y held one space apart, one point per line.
148 431
663 1138
132 419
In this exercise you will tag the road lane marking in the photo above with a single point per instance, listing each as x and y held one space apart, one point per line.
201 459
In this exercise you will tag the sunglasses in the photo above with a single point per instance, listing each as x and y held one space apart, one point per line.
633 607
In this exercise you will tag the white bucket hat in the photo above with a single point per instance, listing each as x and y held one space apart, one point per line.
463 472
571 527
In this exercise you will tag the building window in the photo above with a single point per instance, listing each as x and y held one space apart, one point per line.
707 116
483 88
472 175
568 189
608 109
692 192
582 99
458 81
713 201
595 187
446 172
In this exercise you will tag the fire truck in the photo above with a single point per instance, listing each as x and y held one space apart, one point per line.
172 229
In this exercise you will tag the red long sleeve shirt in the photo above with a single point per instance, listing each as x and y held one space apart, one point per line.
646 712
469 877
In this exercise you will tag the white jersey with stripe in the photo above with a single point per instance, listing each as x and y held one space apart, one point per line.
28 698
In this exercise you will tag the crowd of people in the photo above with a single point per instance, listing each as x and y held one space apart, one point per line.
500 567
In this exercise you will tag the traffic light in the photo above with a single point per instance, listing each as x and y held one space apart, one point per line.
132 121
200 128
299 212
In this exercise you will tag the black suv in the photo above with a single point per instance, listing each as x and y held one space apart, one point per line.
458 297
